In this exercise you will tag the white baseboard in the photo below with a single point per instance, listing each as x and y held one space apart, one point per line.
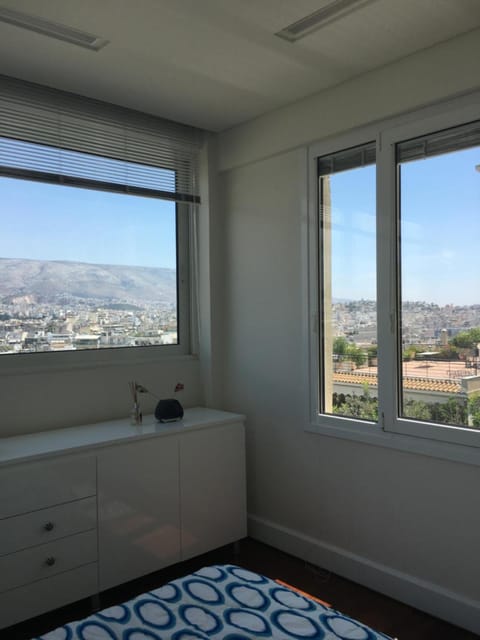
427 596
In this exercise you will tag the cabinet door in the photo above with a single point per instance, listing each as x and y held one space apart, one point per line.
139 520
212 488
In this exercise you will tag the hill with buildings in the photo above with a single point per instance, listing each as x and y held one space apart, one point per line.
47 282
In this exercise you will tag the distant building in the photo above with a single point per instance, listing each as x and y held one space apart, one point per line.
86 341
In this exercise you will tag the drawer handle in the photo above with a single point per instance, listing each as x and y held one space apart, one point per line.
48 526
50 561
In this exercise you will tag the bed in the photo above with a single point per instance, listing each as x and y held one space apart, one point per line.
219 602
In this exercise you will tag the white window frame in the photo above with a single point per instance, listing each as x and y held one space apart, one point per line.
32 363
453 443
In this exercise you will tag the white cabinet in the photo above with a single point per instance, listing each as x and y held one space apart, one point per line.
163 493
212 488
48 536
139 509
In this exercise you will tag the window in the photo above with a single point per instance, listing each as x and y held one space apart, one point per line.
348 282
439 310
96 207
394 319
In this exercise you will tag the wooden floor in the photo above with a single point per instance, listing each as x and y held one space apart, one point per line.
379 612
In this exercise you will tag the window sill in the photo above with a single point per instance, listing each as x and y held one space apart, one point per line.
371 434
38 363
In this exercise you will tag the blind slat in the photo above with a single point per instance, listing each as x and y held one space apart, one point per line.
348 159
44 130
454 139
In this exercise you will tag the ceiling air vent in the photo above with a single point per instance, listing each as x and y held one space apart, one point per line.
52 29
330 12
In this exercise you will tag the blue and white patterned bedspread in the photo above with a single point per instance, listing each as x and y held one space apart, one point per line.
218 602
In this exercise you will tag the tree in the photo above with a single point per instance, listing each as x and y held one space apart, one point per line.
417 410
411 351
448 353
340 346
453 411
474 409
348 351
363 407
467 339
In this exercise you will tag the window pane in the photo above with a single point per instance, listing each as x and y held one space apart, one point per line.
348 377
440 298
85 269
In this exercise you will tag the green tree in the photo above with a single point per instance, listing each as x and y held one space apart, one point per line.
411 351
348 351
467 339
340 346
362 406
417 410
474 409
453 411
448 353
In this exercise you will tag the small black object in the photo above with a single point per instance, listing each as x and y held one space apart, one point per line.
169 410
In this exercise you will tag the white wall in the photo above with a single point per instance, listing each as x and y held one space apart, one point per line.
32 401
437 72
405 524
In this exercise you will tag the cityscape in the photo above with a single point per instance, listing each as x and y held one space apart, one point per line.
422 322
439 375
63 306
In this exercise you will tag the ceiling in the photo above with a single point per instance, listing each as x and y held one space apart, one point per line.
217 63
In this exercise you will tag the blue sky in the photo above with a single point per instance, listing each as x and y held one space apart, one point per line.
440 228
100 227
440 224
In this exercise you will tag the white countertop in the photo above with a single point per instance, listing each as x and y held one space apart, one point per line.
29 447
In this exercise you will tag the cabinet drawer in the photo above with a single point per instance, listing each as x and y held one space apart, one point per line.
28 487
46 560
47 525
45 595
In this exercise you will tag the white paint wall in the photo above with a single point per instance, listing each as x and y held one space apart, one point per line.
405 524
446 69
32 402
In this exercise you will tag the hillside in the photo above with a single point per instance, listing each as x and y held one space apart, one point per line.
44 281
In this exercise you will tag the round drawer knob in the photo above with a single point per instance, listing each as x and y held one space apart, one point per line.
48 526
50 561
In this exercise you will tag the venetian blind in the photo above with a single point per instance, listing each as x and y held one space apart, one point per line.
348 159
454 139
51 135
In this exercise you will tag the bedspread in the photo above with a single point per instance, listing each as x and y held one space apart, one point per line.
220 602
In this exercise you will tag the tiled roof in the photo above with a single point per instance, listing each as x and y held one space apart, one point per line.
419 384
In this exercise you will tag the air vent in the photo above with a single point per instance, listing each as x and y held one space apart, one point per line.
332 11
52 29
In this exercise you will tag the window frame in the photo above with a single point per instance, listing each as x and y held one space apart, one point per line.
454 443
29 363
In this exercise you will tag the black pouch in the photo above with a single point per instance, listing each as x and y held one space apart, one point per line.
169 410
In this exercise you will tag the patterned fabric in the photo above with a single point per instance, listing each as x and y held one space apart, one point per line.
221 602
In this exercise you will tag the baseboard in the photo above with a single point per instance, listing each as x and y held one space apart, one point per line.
421 594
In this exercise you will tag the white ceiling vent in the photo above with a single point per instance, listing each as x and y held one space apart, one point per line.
52 29
330 12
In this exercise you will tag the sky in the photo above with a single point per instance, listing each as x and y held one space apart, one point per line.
440 224
52 222
440 230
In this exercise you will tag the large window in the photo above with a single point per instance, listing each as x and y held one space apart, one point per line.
85 269
348 282
393 247
95 225
439 312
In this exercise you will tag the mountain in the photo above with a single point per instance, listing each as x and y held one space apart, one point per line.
44 281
